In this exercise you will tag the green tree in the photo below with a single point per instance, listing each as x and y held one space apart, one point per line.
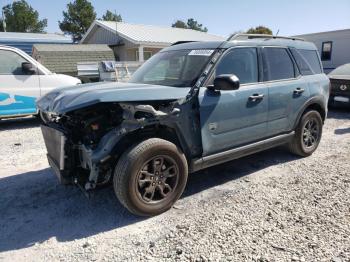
21 17
260 30
191 24
77 19
179 24
110 16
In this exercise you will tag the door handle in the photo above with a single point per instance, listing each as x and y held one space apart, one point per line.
298 91
256 97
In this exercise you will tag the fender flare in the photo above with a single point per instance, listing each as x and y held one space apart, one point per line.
317 100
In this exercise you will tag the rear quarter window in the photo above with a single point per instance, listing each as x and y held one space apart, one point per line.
313 60
303 65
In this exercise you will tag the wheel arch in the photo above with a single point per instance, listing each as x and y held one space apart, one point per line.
315 103
168 133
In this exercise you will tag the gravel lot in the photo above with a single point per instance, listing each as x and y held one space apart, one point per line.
270 206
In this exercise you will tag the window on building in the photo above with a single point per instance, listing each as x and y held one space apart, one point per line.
146 55
11 63
277 64
326 51
242 62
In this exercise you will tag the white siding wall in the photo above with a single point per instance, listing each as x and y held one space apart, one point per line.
102 36
125 52
340 47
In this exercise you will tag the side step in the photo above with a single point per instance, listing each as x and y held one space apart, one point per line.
239 152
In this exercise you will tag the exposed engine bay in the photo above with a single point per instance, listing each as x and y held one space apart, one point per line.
91 139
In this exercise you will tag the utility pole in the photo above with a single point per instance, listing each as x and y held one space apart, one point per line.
3 20
116 22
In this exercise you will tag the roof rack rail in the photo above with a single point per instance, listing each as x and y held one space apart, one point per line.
252 36
182 42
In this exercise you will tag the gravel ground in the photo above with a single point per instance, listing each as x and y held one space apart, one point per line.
270 206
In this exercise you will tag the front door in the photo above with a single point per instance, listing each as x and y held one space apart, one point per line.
18 90
233 118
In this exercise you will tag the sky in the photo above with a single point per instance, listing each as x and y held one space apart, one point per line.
221 17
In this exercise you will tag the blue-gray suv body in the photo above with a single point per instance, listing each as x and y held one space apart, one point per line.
189 107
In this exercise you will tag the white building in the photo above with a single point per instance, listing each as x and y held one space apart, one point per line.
334 47
134 42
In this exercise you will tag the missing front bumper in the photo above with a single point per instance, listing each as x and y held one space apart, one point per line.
55 142
59 174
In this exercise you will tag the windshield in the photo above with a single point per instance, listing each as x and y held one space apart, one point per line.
180 68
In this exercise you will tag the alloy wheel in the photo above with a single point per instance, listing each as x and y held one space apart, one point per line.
311 133
157 179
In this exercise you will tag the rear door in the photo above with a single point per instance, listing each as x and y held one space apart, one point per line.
288 91
234 117
18 90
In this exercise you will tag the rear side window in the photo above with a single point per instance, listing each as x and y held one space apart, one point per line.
277 64
242 62
311 57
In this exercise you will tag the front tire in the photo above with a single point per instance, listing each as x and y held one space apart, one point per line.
150 177
307 134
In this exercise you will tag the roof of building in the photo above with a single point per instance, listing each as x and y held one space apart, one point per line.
72 48
34 37
63 58
152 35
342 31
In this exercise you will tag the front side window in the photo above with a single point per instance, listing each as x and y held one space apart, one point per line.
242 62
326 51
178 68
278 64
11 63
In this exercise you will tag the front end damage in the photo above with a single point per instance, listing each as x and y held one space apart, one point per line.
84 145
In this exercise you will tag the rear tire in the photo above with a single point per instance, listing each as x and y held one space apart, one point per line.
150 177
307 134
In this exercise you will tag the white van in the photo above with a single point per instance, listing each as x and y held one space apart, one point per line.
23 80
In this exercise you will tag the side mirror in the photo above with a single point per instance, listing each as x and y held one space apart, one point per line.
28 68
226 82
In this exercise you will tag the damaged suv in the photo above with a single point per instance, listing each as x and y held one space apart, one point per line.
191 106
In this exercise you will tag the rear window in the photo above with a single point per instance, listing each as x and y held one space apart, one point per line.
311 57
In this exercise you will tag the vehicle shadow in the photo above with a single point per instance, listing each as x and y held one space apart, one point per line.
35 208
342 131
339 113
19 123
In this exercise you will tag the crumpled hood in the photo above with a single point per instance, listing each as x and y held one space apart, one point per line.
63 100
